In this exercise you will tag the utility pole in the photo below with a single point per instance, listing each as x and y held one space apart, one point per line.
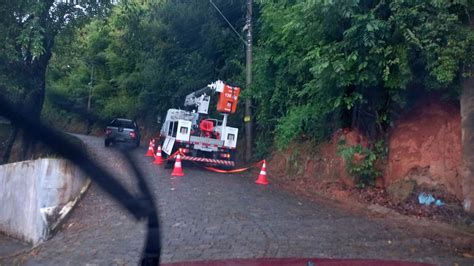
90 89
91 85
248 82
248 76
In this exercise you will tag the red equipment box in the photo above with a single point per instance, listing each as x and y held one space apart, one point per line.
228 99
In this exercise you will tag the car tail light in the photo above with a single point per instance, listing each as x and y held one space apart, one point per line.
133 134
108 132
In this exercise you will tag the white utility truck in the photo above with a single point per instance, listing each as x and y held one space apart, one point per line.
200 138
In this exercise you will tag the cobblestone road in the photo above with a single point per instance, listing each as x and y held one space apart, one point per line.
213 216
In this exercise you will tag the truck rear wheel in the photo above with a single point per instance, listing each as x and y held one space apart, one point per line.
168 163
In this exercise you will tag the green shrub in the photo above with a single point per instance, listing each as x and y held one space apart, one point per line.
361 162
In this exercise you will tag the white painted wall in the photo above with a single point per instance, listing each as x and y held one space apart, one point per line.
30 188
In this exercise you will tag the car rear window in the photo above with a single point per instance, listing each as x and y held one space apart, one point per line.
121 123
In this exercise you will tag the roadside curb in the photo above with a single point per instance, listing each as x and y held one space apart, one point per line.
66 210
438 231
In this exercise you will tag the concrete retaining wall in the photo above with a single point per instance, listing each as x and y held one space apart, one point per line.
33 195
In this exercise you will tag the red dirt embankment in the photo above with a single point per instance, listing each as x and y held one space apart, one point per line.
307 167
424 146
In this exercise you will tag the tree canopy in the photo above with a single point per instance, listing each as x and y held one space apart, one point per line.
146 56
326 64
319 65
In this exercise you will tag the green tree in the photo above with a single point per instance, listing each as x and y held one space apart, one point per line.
29 28
148 55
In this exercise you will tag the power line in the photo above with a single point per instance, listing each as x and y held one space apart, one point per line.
220 12
248 76
248 82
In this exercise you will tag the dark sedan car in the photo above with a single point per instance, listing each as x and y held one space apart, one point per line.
122 130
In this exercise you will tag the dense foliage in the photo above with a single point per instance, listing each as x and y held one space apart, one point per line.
146 56
318 64
327 64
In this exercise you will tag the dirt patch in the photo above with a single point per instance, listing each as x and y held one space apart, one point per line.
316 166
450 212
75 125
425 146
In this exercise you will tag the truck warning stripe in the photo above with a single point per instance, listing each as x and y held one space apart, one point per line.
208 160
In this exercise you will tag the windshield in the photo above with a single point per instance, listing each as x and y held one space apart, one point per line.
348 132
122 123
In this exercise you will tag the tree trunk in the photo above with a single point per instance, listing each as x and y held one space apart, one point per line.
9 145
33 101
33 105
467 127
467 132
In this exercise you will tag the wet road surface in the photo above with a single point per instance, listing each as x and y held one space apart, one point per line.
205 216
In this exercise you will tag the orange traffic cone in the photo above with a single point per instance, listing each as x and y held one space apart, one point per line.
158 158
150 151
262 178
178 170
